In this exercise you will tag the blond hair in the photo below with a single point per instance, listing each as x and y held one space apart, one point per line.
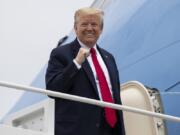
88 11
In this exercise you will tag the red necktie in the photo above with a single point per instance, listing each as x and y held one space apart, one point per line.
110 114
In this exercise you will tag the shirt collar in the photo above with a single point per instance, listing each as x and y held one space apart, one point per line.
85 46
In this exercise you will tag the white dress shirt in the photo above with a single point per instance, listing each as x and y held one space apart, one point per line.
102 64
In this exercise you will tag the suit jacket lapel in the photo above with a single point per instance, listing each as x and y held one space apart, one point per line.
85 66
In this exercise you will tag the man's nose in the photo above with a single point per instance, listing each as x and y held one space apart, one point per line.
89 26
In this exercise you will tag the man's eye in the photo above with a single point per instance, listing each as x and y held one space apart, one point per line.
84 24
94 24
87 24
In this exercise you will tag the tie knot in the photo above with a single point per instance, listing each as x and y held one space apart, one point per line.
93 51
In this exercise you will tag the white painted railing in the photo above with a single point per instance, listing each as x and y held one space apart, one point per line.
89 101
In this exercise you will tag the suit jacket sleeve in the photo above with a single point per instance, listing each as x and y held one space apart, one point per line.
61 70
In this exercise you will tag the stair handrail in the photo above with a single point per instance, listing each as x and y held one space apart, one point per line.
89 101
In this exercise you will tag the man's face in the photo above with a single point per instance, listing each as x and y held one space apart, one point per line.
88 29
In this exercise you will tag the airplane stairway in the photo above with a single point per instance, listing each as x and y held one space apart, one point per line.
134 94
38 119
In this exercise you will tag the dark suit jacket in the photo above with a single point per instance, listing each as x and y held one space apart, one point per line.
74 118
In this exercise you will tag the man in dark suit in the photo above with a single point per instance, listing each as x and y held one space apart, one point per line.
83 68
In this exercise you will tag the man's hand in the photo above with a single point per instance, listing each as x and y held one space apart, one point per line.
82 55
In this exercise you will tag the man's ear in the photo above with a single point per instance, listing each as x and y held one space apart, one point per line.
75 27
102 25
101 30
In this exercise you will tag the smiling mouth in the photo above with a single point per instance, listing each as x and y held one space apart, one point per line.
90 35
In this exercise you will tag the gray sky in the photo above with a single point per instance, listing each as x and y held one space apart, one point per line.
29 29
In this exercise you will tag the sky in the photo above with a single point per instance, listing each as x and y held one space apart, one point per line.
29 29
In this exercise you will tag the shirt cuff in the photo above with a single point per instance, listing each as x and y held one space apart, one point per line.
77 65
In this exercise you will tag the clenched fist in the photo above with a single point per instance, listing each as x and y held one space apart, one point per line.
82 55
